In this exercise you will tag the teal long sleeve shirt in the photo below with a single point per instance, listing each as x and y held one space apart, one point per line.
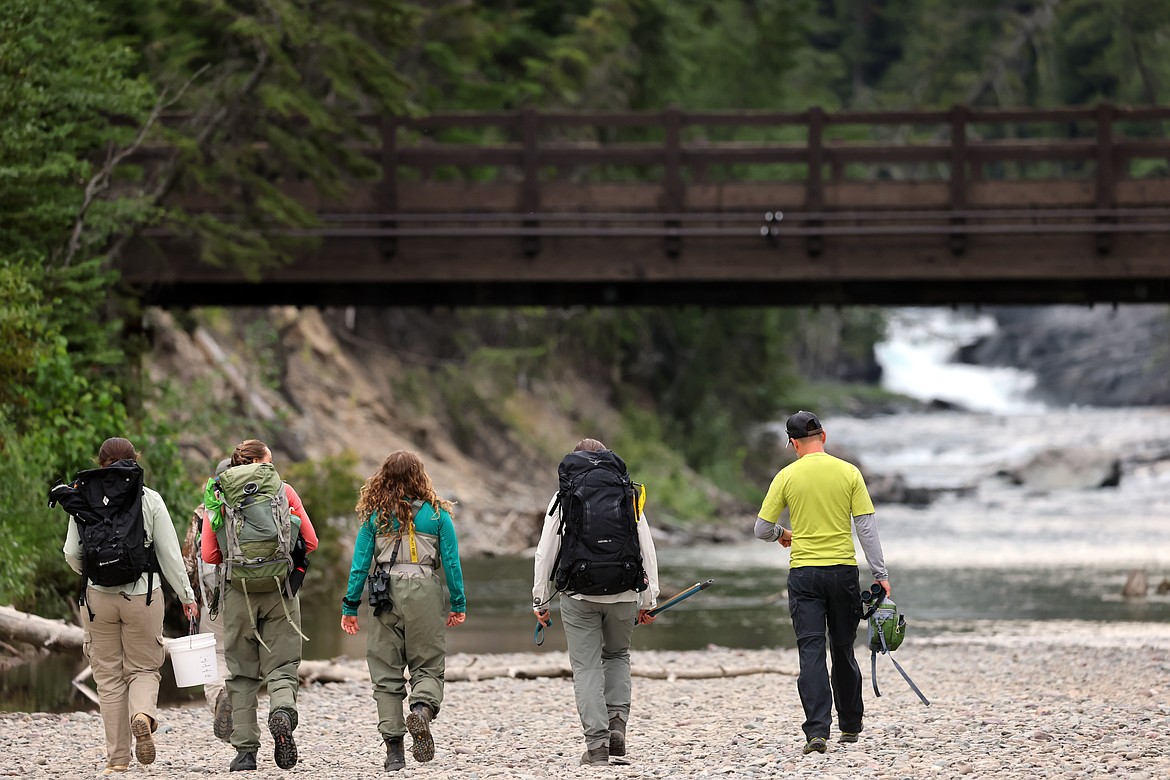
425 522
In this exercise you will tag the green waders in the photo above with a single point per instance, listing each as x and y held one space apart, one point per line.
250 664
412 636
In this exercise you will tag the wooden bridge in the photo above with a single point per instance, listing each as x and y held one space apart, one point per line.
902 207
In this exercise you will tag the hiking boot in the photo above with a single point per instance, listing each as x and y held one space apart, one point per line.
816 745
418 723
848 736
113 769
617 736
143 741
284 751
598 756
395 758
245 761
221 725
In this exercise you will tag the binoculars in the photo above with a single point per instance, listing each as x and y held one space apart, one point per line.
380 599
874 595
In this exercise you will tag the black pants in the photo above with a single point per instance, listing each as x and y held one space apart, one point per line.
827 599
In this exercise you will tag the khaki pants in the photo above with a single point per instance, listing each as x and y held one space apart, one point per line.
411 636
124 645
599 636
249 664
214 626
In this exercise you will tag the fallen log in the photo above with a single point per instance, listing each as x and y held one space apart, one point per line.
472 673
330 672
38 631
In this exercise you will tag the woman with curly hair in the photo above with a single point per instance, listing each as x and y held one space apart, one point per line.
405 535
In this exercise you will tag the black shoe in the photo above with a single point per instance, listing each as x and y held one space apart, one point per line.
221 724
395 758
598 756
816 745
284 752
418 723
848 736
617 736
245 761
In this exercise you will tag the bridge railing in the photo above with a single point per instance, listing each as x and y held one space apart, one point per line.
960 145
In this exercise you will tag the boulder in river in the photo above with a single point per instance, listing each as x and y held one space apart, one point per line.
1067 469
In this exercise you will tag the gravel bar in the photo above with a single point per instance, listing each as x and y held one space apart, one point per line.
1011 700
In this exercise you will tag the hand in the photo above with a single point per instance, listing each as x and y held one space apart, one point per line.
785 538
645 618
191 610
543 617
455 619
349 624
885 585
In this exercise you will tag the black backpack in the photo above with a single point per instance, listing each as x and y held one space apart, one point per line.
106 503
599 552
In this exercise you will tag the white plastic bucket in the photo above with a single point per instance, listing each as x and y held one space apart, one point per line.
193 659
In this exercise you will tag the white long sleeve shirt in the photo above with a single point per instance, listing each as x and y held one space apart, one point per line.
550 545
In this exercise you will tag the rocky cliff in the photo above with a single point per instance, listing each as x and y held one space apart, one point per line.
1100 356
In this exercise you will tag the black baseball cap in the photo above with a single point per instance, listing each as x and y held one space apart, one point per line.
802 424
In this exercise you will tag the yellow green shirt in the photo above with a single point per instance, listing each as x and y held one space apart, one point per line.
823 494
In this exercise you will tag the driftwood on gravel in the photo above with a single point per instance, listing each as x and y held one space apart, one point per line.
38 631
329 671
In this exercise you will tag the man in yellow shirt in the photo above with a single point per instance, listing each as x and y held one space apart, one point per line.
825 498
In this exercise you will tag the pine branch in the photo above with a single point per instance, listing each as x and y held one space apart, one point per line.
100 181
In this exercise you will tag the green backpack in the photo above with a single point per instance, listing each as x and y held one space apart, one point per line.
887 628
258 534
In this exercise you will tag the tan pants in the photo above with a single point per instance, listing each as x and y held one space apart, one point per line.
124 645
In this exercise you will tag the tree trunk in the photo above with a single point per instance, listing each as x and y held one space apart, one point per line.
41 632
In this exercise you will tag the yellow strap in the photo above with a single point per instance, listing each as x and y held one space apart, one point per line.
413 548
639 501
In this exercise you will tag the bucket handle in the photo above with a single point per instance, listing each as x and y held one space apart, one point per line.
192 627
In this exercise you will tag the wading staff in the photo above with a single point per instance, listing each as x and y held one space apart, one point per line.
676 599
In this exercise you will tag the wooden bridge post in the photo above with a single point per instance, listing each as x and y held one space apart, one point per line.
1106 174
530 190
814 193
960 115
672 181
388 187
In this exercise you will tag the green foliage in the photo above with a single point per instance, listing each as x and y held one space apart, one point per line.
269 95
328 488
672 492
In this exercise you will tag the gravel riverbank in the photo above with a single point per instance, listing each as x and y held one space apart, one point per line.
1072 700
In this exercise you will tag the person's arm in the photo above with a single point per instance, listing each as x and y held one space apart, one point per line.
297 507
648 598
546 555
166 547
359 569
768 527
208 544
73 546
871 546
449 555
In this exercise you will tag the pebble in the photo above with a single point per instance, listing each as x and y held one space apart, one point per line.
1001 707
